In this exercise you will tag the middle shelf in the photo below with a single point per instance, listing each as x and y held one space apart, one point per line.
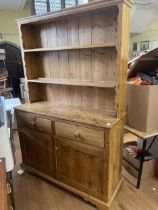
77 47
101 84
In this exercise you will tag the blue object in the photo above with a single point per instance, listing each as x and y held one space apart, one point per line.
1 111
11 103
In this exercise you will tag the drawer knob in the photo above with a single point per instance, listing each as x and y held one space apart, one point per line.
33 122
77 134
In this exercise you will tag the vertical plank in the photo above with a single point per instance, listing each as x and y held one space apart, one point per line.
98 28
61 95
114 156
36 92
101 102
109 97
73 30
27 40
44 58
62 33
33 66
88 95
98 99
99 64
74 64
75 96
85 29
54 65
122 58
64 65
52 34
111 25
43 36
48 92
55 94
111 60
86 64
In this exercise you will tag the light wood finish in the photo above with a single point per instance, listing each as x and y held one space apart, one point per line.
75 68
33 122
108 84
81 134
71 157
123 50
27 196
129 137
38 150
47 110
82 52
71 48
141 134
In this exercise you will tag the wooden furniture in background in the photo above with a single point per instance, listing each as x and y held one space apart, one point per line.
3 185
4 89
6 194
75 63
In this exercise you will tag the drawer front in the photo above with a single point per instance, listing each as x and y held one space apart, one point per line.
81 134
34 122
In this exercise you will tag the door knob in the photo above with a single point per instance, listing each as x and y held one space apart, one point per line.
77 134
33 122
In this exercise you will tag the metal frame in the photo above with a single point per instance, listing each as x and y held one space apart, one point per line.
48 5
142 157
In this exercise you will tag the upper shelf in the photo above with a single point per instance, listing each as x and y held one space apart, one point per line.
71 47
92 6
106 84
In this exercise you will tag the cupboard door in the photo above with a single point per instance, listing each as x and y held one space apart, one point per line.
80 166
38 151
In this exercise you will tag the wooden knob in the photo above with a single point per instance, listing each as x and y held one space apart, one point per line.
56 148
77 134
33 122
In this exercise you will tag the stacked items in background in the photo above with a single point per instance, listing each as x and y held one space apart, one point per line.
149 78
5 90
142 92
132 152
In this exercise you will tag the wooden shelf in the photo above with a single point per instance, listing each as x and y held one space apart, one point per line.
91 117
71 47
44 18
5 90
107 84
141 134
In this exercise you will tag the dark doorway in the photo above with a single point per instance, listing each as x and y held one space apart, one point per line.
13 65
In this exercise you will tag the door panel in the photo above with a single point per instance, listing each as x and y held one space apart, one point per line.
38 150
80 166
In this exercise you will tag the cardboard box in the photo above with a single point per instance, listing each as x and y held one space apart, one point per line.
142 107
149 167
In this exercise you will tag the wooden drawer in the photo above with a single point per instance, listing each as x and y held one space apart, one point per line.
78 133
34 122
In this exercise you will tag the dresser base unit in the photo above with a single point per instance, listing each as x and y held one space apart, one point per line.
101 205
82 157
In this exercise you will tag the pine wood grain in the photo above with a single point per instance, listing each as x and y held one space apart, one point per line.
28 186
79 85
48 111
